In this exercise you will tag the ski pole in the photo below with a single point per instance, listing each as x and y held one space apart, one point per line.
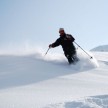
47 51
84 50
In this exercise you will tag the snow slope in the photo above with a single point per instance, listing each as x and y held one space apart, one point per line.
38 81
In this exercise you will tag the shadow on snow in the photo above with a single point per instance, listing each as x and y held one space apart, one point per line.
23 70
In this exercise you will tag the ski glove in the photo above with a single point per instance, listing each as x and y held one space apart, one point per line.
50 46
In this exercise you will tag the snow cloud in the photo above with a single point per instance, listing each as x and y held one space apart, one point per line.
38 52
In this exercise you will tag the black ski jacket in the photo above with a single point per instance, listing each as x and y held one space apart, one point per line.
66 41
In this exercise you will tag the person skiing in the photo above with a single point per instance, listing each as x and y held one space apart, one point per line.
66 41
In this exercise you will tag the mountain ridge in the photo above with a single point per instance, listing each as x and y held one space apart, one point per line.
100 48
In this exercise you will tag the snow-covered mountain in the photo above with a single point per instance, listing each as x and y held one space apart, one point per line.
102 48
38 81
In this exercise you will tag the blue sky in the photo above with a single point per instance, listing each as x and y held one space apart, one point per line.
37 21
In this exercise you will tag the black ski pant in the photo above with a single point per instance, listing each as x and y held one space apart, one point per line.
71 56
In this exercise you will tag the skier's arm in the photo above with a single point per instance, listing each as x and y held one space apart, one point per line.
70 38
55 44
73 39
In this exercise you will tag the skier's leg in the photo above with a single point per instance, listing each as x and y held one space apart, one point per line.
74 56
70 59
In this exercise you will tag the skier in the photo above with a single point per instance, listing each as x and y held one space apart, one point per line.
66 41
